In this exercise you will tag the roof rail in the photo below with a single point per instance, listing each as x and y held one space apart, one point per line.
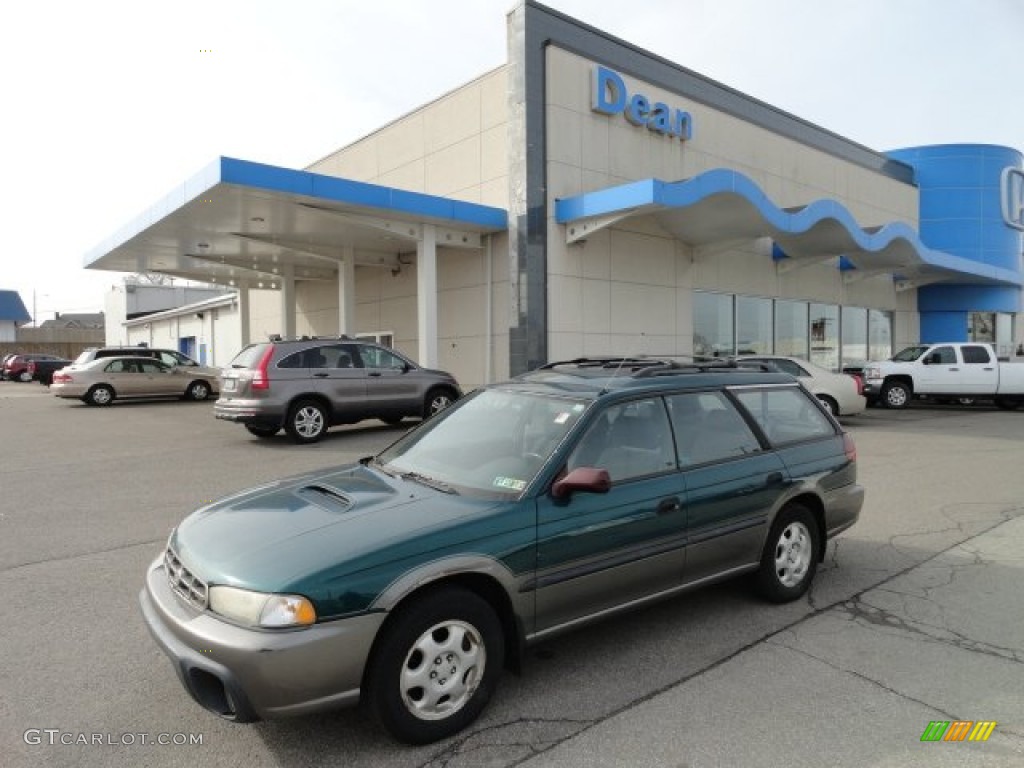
278 337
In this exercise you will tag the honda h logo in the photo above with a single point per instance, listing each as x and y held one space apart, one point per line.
1013 197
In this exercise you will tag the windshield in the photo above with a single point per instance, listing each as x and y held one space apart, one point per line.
910 354
494 442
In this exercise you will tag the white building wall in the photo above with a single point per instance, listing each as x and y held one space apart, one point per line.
455 146
628 289
8 330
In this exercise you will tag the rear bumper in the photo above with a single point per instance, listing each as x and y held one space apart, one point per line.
842 508
245 674
247 412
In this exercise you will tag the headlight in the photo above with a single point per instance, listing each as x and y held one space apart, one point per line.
871 373
259 609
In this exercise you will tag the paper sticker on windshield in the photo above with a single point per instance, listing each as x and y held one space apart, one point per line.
562 418
509 482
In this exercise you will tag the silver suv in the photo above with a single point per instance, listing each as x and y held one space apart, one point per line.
308 385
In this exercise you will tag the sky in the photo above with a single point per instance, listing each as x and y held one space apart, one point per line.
108 105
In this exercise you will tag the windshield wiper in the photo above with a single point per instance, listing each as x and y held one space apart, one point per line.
430 482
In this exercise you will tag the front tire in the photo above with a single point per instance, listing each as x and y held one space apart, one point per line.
1007 403
25 376
790 556
101 394
896 395
435 666
307 421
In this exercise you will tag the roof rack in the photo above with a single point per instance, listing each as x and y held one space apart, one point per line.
606 362
671 368
645 367
275 337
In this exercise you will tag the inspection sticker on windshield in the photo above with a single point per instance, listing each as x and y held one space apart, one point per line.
562 418
510 483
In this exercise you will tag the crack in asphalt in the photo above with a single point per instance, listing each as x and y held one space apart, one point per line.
445 758
865 613
79 555
865 678
466 748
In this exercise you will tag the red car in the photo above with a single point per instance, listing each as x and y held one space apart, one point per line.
16 366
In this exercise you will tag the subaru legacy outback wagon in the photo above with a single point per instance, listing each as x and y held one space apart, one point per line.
308 385
411 579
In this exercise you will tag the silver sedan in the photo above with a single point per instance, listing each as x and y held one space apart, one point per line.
102 381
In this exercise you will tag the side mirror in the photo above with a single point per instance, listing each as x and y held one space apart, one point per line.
586 479
931 359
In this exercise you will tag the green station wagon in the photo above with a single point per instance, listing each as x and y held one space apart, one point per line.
411 579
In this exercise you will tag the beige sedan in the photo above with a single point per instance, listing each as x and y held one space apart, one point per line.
110 378
840 393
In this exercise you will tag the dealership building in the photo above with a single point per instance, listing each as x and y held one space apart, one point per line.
590 198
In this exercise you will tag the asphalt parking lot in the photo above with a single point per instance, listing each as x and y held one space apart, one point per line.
916 615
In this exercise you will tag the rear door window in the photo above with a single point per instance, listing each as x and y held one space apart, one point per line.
975 354
708 428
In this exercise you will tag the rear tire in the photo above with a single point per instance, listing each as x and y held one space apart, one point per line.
198 391
435 665
830 405
307 421
437 400
790 556
100 394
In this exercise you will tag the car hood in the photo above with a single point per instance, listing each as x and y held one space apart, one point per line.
326 525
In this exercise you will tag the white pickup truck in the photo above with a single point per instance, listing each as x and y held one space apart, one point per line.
948 370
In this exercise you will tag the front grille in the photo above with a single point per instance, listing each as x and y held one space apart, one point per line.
184 582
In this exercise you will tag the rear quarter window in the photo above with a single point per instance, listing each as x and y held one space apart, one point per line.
249 357
785 414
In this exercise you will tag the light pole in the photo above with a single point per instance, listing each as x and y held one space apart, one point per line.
35 321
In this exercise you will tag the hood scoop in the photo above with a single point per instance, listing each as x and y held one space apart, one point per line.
325 496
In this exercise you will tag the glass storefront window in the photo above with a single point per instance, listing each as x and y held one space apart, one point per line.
825 335
855 337
712 324
791 328
753 326
879 334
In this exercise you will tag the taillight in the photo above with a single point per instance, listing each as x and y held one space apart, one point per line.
860 383
61 377
849 447
31 366
261 380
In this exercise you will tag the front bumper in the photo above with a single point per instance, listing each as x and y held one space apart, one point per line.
246 674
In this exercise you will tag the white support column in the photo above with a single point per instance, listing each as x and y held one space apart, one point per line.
347 292
426 296
243 315
288 301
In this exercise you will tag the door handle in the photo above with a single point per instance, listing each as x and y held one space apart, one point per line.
321 375
669 505
990 369
954 369
374 373
773 478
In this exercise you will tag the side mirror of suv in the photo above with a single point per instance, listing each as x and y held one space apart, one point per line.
587 479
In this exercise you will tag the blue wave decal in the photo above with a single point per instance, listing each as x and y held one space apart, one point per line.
755 215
